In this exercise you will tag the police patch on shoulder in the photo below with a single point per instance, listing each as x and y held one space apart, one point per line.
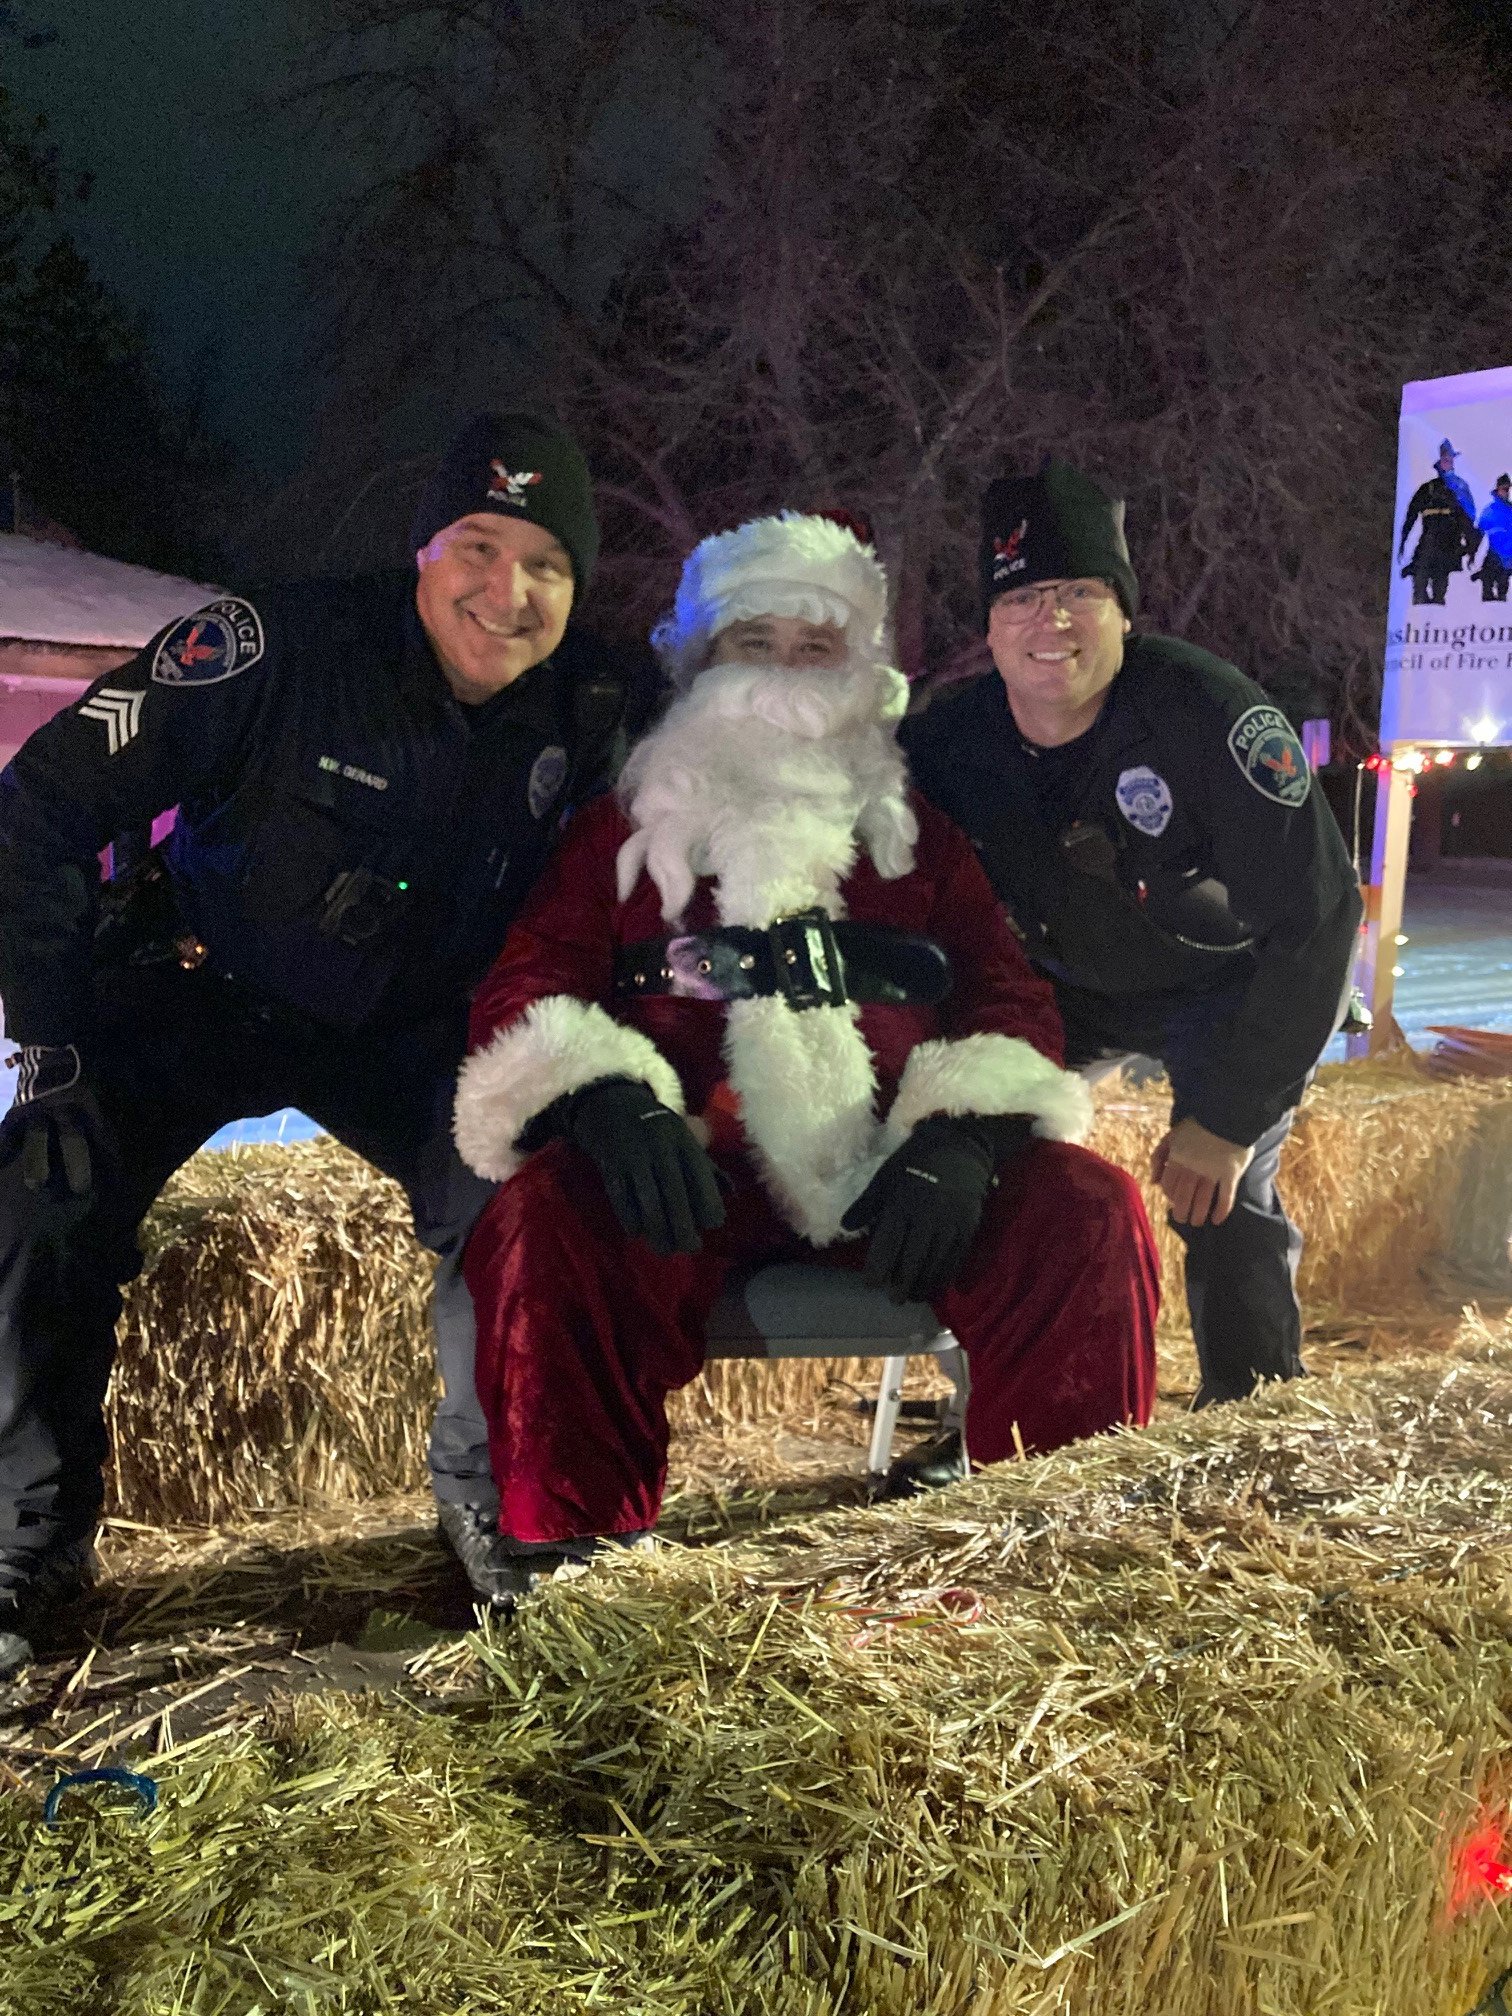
215 643
1144 798
547 776
1263 744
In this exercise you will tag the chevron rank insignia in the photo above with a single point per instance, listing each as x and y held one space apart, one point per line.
121 713
215 643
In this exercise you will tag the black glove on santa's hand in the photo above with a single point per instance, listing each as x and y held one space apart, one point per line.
925 1203
55 1125
660 1182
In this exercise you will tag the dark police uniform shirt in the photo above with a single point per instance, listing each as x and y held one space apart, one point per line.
1185 851
351 840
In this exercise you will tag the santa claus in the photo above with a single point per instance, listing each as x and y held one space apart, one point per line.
763 1005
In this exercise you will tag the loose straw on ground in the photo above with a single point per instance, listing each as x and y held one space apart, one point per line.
1193 1721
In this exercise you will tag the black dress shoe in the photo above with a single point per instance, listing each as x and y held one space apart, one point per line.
930 1467
32 1587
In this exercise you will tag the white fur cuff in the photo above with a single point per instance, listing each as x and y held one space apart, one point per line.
557 1046
990 1075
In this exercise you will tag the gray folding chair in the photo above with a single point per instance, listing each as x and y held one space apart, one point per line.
795 1309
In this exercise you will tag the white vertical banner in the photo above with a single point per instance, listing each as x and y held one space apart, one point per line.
1448 670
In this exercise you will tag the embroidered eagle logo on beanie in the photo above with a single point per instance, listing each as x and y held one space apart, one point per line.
510 489
1057 525
514 464
1008 554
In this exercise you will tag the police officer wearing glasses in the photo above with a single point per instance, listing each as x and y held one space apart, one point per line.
1149 819
368 777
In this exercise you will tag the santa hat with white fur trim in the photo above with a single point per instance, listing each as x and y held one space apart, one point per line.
791 565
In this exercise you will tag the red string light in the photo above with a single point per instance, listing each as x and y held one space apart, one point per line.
1479 1872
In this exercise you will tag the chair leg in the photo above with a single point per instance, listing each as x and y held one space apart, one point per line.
957 1369
889 1399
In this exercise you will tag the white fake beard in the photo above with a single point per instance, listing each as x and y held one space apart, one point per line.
770 781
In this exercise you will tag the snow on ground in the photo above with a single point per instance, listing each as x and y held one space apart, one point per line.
1457 962
1458 957
58 595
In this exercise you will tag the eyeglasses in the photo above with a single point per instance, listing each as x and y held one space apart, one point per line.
1022 605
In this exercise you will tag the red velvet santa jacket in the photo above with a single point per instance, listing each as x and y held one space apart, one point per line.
822 1094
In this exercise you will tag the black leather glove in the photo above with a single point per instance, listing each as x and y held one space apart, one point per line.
925 1203
55 1125
661 1183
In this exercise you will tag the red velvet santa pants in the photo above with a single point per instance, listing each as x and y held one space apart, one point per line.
582 1332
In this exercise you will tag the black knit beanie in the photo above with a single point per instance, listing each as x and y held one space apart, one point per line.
1057 525
520 467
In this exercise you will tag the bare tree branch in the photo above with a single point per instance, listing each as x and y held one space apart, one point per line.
767 252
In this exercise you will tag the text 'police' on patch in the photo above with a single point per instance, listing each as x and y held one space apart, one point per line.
215 643
1264 745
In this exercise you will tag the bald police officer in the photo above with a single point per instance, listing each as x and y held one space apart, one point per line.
1148 817
368 775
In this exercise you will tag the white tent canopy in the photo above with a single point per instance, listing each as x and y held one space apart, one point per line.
58 595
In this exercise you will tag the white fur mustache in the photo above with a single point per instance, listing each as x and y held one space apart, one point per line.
811 704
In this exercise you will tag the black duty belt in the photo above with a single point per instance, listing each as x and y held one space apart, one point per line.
809 959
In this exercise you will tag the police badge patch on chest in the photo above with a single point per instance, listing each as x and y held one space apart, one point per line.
547 776
215 643
1144 798
1262 743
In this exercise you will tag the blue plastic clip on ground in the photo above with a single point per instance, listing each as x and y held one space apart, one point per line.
108 1774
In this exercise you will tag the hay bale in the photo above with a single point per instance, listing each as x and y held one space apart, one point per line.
1477 1250
1375 1176
276 1349
1231 1698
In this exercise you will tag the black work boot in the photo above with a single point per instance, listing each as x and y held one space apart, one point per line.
32 1587
502 1569
929 1467
497 1574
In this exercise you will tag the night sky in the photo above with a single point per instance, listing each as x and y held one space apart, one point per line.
206 196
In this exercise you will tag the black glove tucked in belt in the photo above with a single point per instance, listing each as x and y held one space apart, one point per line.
660 1182
55 1125
925 1203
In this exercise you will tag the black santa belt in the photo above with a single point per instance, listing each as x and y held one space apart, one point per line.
809 958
